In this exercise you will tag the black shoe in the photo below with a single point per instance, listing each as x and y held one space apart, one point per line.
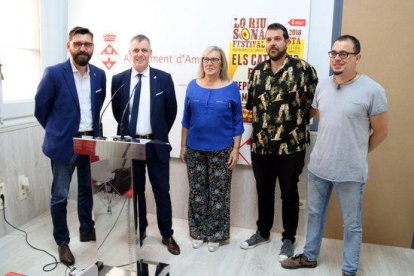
89 236
65 255
172 246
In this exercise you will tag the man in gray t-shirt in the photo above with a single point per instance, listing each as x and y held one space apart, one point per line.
340 152
352 112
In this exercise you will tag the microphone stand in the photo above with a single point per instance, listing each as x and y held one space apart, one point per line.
101 137
121 124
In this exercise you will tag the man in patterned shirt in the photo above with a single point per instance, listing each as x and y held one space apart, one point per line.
280 93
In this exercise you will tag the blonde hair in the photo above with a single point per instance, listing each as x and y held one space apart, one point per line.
224 70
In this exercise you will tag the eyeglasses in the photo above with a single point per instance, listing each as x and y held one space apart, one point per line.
342 54
213 60
78 45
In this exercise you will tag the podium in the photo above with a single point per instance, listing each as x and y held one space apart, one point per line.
118 251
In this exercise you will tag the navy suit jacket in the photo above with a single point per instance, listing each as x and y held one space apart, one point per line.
57 108
163 107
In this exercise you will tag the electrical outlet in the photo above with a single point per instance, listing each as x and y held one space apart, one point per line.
302 204
23 187
2 193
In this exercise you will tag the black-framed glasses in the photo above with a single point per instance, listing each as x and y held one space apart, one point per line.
213 60
78 45
341 54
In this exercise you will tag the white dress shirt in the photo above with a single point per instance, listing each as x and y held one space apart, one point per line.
144 110
83 88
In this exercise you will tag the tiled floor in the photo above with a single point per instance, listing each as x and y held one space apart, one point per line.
17 256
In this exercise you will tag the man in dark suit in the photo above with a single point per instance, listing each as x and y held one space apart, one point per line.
146 107
67 104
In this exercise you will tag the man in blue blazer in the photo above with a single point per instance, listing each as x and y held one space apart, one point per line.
67 105
145 106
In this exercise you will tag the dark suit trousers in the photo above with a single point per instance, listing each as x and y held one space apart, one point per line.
159 173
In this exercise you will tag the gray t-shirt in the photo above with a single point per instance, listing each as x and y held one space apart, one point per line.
341 148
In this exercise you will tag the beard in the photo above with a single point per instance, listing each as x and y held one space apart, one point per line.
337 68
337 72
82 58
280 54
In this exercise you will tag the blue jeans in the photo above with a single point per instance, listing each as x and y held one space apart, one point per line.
350 198
62 176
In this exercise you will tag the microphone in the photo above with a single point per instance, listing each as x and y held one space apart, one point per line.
121 124
101 137
338 87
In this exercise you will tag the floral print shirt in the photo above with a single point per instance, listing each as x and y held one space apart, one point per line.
280 103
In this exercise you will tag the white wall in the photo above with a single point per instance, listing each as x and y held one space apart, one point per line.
20 147
320 35
244 199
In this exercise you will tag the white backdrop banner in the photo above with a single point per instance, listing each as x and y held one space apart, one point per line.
180 31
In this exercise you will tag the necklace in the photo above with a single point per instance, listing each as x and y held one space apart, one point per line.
338 85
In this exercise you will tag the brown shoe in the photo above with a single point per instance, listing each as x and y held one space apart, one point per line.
65 255
89 236
171 245
298 261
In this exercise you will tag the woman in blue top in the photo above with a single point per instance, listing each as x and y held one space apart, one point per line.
212 126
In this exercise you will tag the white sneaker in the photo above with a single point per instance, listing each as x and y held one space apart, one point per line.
213 246
197 244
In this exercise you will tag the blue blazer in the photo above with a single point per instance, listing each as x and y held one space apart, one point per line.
163 106
57 108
